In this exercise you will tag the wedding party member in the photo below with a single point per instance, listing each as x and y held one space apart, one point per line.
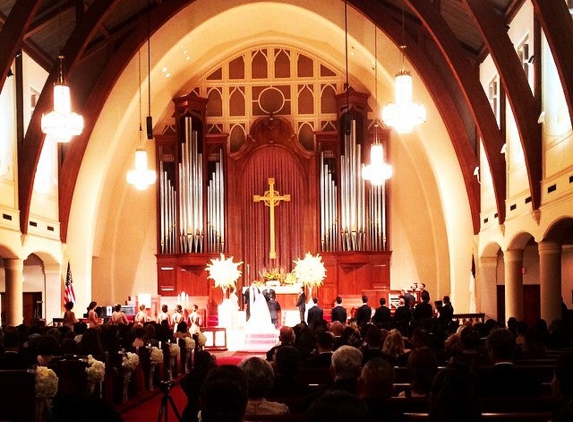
164 315
301 303
93 318
274 308
338 311
260 320
363 313
141 317
69 315
118 316
315 314
194 320
382 315
177 317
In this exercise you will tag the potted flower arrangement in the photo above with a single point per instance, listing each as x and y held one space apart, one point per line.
95 371
224 271
46 382
310 271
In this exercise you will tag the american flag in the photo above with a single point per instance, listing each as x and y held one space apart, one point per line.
69 295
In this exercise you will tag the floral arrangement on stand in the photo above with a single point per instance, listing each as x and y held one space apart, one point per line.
96 373
129 363
155 357
189 347
201 339
224 271
174 351
46 382
310 271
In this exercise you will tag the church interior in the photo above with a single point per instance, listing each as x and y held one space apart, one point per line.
224 98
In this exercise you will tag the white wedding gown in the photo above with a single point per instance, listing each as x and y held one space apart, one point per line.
260 320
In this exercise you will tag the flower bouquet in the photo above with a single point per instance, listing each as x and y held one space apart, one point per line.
189 344
95 371
173 353
46 388
310 271
189 347
156 357
201 339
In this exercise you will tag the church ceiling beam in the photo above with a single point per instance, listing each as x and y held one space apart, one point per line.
94 100
555 19
514 80
12 33
471 88
462 136
34 139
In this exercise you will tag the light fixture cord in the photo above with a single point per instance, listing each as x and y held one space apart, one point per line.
375 82
148 61
139 89
403 46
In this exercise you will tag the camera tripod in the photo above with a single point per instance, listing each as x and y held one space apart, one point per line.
167 400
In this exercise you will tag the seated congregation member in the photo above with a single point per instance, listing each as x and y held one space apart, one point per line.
91 344
338 312
47 349
470 353
363 313
423 367
453 397
286 365
224 395
260 378
192 383
504 379
11 358
382 315
376 387
338 406
286 338
373 344
322 358
393 349
336 328
346 367
562 388
315 314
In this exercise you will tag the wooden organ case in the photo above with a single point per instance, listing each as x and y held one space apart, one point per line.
206 203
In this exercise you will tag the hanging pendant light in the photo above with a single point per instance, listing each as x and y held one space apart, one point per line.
404 113
141 177
62 124
378 171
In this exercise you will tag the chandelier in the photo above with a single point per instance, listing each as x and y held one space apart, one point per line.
141 177
404 113
61 123
378 171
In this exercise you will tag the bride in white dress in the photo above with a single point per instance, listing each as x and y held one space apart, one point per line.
260 320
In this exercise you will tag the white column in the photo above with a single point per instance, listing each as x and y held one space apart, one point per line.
53 293
550 280
14 275
513 265
486 286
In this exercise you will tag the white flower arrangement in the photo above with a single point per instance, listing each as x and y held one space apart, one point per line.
130 361
310 271
225 272
201 339
173 350
156 355
95 370
46 382
189 344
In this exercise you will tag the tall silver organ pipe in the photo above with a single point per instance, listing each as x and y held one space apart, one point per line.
358 221
191 237
168 197
216 208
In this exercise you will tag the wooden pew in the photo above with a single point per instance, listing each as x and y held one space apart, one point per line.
18 398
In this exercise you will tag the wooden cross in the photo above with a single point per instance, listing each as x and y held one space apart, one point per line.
272 199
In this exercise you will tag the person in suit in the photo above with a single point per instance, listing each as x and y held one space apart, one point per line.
247 303
504 379
446 312
301 303
338 311
402 317
364 313
315 314
274 308
382 314
423 310
323 356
